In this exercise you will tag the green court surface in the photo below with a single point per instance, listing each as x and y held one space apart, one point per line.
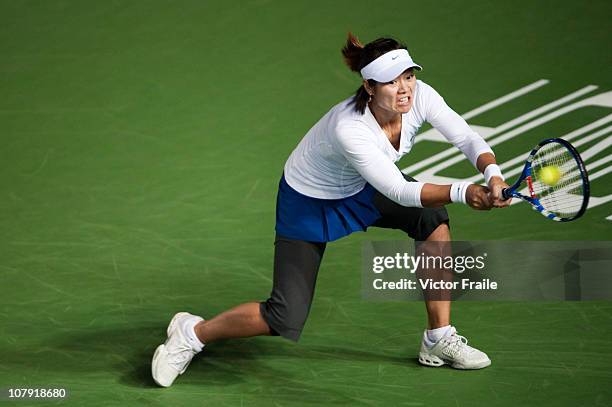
142 143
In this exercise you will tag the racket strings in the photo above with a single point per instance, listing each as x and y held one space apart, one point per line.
564 196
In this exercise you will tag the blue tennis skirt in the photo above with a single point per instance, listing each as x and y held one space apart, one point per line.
302 217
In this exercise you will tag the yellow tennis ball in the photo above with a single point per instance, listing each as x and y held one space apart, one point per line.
550 175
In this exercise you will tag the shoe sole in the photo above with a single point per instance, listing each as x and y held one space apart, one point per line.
481 365
434 361
162 348
430 360
156 356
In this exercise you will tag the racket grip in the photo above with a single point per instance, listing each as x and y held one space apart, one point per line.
506 194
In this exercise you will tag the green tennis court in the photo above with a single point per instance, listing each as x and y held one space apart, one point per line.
142 144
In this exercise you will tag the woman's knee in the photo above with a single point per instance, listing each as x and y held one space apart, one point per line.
440 233
286 320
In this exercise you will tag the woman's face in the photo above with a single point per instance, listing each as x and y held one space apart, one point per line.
395 96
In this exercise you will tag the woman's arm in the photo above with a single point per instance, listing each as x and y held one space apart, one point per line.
496 181
433 195
382 173
456 130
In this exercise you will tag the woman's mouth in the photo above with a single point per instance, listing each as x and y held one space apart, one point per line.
403 101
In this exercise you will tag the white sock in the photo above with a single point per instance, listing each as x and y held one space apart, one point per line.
189 332
434 335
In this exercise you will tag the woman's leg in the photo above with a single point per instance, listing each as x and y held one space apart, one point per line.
425 226
438 311
239 322
440 344
296 265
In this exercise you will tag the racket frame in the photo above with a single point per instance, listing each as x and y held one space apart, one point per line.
512 191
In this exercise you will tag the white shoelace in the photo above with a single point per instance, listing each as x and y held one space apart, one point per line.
454 345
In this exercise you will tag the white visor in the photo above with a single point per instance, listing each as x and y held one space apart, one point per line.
388 66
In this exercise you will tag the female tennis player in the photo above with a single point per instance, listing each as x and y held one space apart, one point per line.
342 178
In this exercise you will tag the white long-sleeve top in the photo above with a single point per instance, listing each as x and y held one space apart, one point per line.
345 150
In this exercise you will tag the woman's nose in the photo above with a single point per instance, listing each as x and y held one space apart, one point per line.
403 86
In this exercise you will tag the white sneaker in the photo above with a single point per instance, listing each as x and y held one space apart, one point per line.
453 350
172 357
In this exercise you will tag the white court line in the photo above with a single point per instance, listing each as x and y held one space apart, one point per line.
599 163
569 136
599 200
542 109
509 135
593 136
585 155
593 201
452 150
600 173
500 101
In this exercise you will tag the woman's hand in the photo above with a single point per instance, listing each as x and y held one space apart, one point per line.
496 185
479 197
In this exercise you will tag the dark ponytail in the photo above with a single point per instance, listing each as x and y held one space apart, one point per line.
356 56
352 52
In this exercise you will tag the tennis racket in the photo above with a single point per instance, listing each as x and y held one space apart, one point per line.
554 181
